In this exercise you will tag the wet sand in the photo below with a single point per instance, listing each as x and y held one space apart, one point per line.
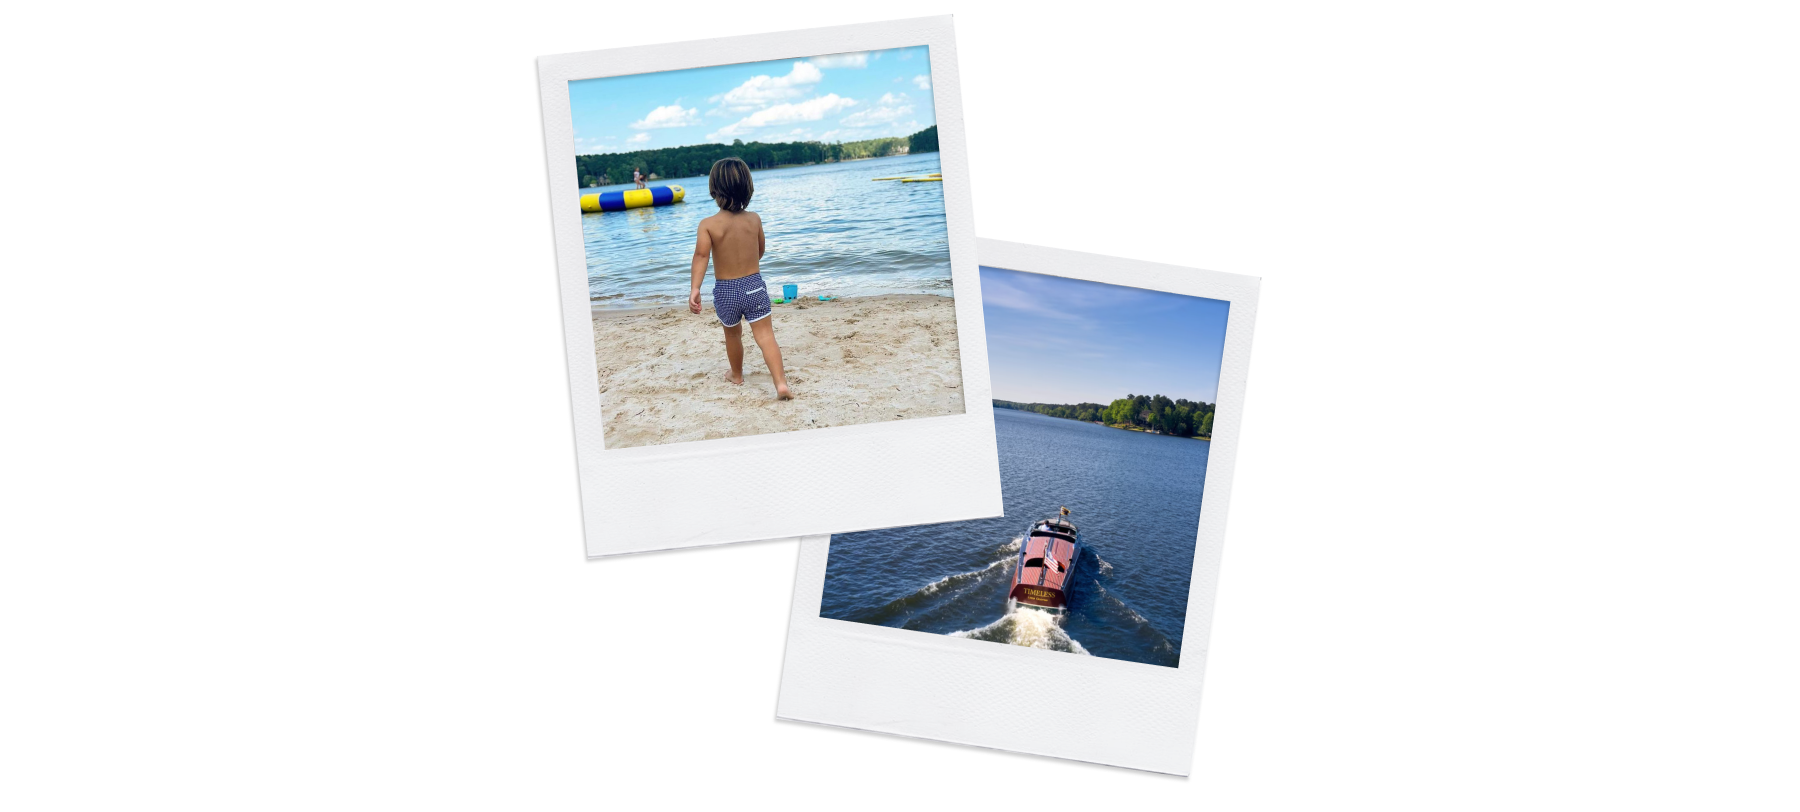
664 377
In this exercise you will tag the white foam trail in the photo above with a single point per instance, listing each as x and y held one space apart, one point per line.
934 586
1026 627
1121 604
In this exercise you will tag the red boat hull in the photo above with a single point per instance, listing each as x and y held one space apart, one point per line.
1047 559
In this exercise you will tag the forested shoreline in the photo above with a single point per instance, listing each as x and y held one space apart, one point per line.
695 160
1179 417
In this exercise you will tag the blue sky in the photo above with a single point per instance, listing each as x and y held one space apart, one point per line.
1056 340
837 97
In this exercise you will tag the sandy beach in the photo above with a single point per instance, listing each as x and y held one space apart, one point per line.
663 373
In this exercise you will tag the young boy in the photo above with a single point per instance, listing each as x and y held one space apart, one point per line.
733 240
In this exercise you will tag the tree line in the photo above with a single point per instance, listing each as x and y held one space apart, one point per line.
695 160
1180 417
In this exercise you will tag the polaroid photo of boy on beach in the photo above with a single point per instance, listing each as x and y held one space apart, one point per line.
768 270
1092 594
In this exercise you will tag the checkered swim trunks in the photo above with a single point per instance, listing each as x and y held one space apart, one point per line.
742 299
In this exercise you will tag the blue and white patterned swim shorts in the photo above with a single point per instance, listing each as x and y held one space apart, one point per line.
740 299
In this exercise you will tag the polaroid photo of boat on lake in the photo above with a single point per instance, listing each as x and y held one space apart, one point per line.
768 274
1117 413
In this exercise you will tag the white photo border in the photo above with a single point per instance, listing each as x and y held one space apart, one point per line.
1121 713
807 482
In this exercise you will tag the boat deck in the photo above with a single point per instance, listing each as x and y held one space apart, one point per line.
1054 557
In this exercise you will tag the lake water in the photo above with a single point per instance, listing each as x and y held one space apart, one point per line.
829 228
1136 499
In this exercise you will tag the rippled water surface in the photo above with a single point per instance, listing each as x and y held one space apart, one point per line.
830 229
1136 498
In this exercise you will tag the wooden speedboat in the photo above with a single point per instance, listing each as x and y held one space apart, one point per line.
1047 559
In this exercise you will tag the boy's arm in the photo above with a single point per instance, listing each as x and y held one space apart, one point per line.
702 252
762 247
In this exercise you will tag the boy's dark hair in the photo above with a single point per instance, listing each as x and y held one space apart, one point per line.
729 184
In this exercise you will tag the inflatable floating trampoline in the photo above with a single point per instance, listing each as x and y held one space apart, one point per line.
632 198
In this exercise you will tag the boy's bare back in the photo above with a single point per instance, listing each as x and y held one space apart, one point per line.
735 241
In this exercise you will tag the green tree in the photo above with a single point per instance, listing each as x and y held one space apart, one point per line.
1180 418
925 140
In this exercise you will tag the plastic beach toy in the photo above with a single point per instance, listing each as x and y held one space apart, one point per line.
790 291
781 301
826 298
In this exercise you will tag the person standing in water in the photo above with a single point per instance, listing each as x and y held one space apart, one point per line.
637 177
733 240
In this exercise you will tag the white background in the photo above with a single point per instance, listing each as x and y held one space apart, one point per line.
290 515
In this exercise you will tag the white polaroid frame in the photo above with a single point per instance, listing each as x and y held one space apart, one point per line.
793 483
930 686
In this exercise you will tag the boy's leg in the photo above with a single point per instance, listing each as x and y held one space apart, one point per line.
764 333
734 351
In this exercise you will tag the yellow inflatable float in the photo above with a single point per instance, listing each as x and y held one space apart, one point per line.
632 198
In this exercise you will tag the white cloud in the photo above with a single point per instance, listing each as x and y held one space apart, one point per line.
593 146
860 59
810 110
761 91
851 134
640 138
889 98
923 81
999 290
876 115
668 116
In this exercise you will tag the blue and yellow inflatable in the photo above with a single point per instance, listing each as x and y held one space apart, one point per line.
632 198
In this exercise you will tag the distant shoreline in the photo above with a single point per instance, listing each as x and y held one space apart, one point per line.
693 160
1121 428
655 178
1171 418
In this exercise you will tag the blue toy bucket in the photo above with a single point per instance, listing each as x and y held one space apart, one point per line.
790 292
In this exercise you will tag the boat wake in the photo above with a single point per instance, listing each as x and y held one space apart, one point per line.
1026 627
956 600
1120 615
934 596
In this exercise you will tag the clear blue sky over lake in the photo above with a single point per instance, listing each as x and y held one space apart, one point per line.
1056 340
837 97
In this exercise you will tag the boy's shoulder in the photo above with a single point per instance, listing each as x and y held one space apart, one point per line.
722 217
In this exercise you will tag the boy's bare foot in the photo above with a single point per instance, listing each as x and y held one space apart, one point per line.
782 393
736 378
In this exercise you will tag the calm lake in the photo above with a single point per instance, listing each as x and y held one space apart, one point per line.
1136 499
830 229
